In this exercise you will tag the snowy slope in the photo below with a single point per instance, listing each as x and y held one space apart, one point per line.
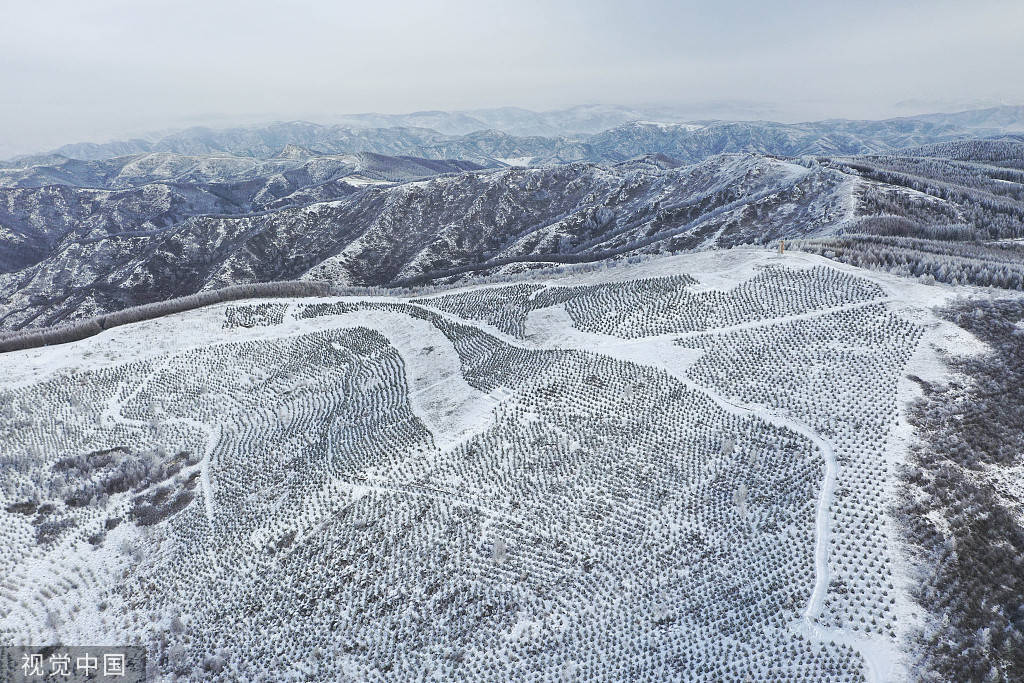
86 251
679 468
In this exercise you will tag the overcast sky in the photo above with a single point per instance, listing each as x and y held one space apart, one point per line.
101 69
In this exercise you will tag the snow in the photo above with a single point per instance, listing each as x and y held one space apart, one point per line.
454 411
362 181
515 161
441 398
554 327
666 126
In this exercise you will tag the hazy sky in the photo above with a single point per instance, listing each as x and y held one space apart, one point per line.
100 69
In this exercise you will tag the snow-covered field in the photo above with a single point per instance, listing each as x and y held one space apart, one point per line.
680 468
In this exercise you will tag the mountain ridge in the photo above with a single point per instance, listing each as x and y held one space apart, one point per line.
488 144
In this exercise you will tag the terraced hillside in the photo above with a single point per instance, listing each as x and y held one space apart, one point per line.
682 468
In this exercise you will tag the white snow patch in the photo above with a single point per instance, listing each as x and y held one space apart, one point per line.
438 393
664 125
515 161
363 181
553 328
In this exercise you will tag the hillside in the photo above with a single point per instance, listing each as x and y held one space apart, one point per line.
948 211
688 463
512 342
596 134
383 234
294 165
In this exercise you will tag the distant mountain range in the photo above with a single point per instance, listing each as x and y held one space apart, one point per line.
293 167
202 209
517 121
498 140
71 252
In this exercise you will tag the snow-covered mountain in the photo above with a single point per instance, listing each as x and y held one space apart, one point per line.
599 134
89 251
661 401
373 220
1005 118
298 166
695 141
697 467
156 192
